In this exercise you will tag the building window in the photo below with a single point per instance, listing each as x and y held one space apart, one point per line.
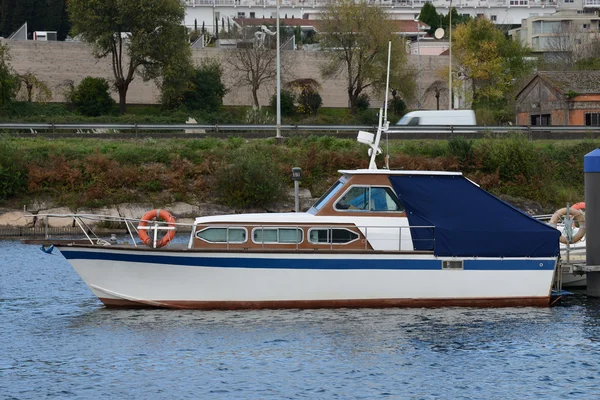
252 15
493 18
277 235
592 119
331 236
541 120
241 14
368 198
569 1
223 235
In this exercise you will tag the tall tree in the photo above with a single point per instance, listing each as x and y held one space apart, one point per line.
253 63
9 82
429 16
490 60
57 18
355 39
141 36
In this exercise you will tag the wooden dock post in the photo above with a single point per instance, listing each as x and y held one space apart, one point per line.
591 169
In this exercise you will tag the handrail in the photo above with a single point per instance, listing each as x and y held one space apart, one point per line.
87 230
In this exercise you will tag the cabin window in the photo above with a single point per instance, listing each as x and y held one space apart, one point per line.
369 198
328 195
331 236
277 235
223 235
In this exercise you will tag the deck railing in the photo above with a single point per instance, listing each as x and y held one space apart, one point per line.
379 237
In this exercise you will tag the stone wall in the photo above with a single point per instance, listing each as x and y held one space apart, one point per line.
57 62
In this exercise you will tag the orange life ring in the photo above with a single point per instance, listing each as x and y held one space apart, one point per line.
577 216
155 215
579 206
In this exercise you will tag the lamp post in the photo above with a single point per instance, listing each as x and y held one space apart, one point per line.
450 57
418 63
278 77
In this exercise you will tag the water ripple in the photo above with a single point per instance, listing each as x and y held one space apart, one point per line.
59 342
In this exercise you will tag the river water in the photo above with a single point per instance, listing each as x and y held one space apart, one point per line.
57 341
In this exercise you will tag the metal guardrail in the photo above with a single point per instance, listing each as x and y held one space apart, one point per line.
201 130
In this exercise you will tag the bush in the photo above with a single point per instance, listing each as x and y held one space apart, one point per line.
461 148
13 175
288 98
92 98
309 102
206 89
398 106
249 179
363 102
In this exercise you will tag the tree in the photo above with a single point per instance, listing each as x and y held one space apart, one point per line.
355 39
436 89
568 44
492 62
309 99
205 89
429 16
141 36
253 63
9 82
30 86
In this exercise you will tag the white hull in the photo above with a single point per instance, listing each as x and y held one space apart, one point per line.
204 285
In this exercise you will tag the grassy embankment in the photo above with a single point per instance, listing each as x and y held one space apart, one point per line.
240 173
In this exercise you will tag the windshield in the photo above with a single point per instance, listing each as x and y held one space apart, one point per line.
403 120
328 195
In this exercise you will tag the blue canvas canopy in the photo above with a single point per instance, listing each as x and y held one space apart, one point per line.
468 221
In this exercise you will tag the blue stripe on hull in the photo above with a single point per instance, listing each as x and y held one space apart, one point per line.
309 263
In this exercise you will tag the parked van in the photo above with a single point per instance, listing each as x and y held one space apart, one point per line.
439 118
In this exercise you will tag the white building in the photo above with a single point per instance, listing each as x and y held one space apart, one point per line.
499 11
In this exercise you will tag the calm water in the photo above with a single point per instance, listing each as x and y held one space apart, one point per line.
57 341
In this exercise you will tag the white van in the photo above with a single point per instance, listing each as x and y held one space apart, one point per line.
439 118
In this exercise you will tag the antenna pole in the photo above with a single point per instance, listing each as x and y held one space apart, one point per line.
387 82
383 123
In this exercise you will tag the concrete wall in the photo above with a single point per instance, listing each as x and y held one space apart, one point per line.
56 62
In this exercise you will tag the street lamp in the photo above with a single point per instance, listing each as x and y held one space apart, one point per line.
450 57
278 78
418 63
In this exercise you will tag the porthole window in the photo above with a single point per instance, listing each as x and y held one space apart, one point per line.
223 235
277 235
331 236
369 198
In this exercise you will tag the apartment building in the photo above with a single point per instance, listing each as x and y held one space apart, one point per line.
509 12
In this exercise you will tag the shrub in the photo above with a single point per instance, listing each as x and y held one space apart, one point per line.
461 148
92 98
288 98
309 102
13 175
249 179
398 106
363 102
206 89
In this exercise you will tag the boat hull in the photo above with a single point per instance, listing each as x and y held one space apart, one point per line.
253 280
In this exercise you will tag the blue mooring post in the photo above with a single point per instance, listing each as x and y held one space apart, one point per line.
591 169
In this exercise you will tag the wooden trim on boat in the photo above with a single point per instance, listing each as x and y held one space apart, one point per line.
314 304
184 249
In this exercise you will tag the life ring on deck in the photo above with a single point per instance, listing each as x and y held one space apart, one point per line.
155 215
577 215
579 206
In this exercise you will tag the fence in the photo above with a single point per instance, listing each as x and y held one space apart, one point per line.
124 131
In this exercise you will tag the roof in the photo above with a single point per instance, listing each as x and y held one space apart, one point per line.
394 172
581 82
